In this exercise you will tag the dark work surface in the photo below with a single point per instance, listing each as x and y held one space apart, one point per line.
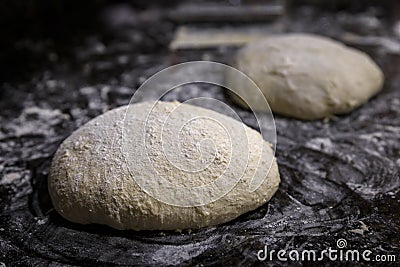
340 177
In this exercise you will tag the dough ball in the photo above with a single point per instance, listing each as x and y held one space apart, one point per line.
307 76
109 170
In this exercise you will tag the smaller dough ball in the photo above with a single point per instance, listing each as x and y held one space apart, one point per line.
306 76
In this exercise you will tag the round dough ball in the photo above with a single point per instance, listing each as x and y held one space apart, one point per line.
307 76
100 175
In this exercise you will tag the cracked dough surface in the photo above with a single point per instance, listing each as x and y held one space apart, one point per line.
90 180
307 76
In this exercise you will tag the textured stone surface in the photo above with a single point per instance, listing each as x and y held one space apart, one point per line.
335 174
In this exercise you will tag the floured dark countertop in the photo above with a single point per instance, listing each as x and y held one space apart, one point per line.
340 177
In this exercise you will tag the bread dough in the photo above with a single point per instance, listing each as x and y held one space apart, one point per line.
91 180
307 76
